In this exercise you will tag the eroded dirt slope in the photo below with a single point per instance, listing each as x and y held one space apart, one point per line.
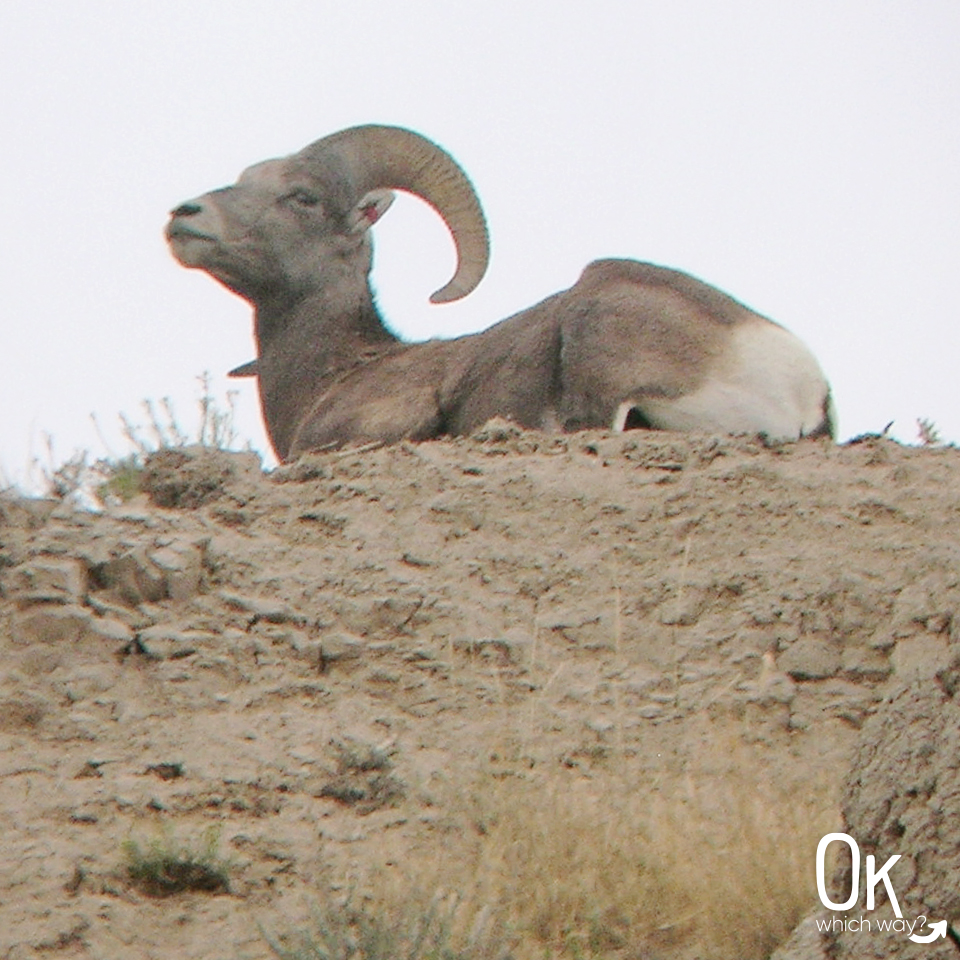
202 656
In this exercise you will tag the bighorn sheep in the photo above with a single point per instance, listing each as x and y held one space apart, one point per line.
629 345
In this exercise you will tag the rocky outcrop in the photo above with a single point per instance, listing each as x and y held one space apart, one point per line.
902 798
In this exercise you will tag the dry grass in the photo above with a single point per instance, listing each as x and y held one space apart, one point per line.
568 866
927 433
96 482
589 873
412 930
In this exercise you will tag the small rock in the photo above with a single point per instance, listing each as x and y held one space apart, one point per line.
868 663
165 643
684 610
109 629
305 647
262 608
91 681
379 615
135 619
181 565
21 710
133 577
949 675
166 771
342 646
412 560
149 572
39 659
51 623
771 686
599 725
810 658
585 625
921 657
510 647
46 581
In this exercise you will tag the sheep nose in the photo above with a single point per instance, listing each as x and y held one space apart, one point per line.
189 209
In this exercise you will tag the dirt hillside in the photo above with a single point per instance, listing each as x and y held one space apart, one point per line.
336 665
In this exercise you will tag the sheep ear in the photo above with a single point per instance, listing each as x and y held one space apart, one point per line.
248 369
370 209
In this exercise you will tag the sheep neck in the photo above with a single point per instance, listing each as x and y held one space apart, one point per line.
311 337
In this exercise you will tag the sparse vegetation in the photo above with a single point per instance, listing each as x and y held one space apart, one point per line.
354 756
215 429
928 433
414 931
582 871
112 480
567 866
363 778
165 866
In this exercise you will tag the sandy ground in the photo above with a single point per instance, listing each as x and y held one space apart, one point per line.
208 656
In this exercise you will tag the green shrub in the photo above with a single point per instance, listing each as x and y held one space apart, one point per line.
164 866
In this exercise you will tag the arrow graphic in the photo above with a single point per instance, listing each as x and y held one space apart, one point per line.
939 930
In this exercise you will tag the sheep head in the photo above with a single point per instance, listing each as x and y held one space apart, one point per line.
290 226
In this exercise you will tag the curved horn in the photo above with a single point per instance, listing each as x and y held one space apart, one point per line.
395 158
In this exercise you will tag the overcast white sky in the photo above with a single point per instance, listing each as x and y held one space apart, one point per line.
804 157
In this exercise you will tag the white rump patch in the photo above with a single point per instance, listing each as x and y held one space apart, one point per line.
768 382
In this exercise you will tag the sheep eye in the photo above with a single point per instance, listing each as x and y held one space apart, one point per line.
303 198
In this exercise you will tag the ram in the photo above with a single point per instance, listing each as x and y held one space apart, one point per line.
629 345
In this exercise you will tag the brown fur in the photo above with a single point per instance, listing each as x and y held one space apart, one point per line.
295 245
